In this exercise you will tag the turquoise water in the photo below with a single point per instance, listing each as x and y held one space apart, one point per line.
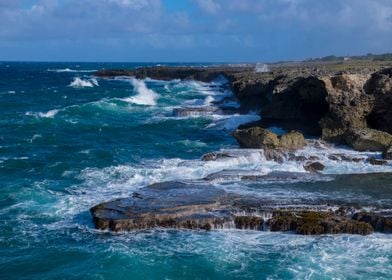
69 141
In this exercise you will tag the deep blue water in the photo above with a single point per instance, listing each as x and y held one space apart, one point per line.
69 141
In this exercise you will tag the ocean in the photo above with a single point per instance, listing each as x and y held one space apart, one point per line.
69 140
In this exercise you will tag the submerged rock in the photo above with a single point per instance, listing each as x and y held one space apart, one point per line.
195 111
215 156
343 157
375 161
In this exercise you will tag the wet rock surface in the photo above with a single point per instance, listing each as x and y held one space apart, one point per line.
314 166
202 206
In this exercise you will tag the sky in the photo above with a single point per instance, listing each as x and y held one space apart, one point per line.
192 30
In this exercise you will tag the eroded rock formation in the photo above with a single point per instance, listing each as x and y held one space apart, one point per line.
203 206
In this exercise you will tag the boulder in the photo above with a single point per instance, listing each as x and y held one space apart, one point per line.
256 138
261 138
293 140
367 139
314 167
274 154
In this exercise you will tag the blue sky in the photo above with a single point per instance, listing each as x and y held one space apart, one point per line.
192 30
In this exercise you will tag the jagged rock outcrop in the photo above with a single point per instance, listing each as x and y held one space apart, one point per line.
320 100
380 87
261 138
348 106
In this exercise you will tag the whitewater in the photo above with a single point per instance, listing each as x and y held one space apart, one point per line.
70 140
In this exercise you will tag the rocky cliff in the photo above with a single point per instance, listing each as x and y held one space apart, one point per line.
348 106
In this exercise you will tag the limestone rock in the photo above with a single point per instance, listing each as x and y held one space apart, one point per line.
256 138
348 106
293 140
261 138
367 139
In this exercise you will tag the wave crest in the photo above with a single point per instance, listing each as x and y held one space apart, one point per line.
80 83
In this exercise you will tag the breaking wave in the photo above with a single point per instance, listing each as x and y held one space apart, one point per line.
80 83
144 95
68 70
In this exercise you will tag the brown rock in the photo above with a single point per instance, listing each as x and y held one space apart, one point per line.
248 222
293 140
256 138
368 139
314 167
309 223
348 105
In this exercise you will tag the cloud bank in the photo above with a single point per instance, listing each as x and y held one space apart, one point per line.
192 30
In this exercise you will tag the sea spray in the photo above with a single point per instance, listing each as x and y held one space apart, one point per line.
144 95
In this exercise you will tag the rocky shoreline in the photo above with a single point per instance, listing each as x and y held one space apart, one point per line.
349 105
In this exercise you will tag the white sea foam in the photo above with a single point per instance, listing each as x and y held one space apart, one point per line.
65 70
80 83
231 122
144 95
48 114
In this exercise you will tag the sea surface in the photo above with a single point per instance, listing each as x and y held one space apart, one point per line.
69 140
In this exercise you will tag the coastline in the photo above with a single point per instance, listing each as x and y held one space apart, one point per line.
332 103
